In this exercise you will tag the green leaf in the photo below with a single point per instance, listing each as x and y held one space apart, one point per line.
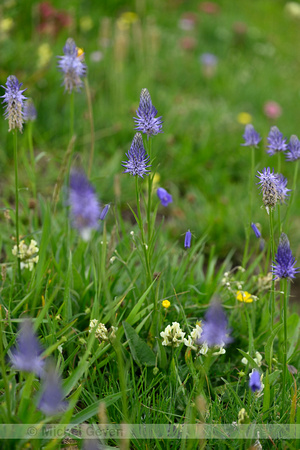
67 302
248 357
131 319
141 353
269 344
93 409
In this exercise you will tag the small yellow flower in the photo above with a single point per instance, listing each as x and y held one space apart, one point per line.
126 19
244 296
44 55
6 24
244 118
166 304
86 23
80 53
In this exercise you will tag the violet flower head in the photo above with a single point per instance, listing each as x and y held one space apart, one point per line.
251 136
282 190
254 382
27 354
214 327
104 212
52 399
283 266
256 230
277 143
269 187
138 159
29 111
187 239
164 196
146 122
293 152
72 66
84 205
14 100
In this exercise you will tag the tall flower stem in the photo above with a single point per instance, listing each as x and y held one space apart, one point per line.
272 294
71 114
150 182
91 118
140 224
33 172
17 200
248 228
292 196
284 319
3 370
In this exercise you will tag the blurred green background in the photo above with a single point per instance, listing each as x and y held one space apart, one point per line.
130 45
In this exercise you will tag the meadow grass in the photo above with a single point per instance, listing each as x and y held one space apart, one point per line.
99 304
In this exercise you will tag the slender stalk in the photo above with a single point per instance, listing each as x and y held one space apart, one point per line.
3 370
292 196
150 181
284 319
17 200
33 172
91 118
272 295
140 224
250 189
71 115
278 162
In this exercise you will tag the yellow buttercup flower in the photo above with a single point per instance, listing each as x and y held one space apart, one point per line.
244 118
244 296
126 19
166 304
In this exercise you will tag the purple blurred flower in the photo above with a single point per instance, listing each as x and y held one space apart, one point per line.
30 113
164 196
104 212
294 149
84 205
208 59
254 382
256 230
283 266
27 355
145 121
138 159
72 66
51 401
251 136
14 100
187 239
277 143
214 327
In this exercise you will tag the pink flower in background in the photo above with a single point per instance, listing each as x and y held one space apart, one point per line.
188 43
272 109
187 21
209 7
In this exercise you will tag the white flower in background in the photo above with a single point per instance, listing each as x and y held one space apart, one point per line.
102 332
27 254
173 335
204 349
191 341
257 359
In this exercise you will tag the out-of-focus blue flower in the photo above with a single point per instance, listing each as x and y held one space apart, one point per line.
14 100
208 59
72 66
138 159
256 230
52 398
84 205
187 239
29 111
145 121
104 212
283 266
164 196
293 152
251 136
277 143
254 382
27 355
214 327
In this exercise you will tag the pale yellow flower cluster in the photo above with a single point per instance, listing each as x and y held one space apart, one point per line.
27 254
173 335
102 332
